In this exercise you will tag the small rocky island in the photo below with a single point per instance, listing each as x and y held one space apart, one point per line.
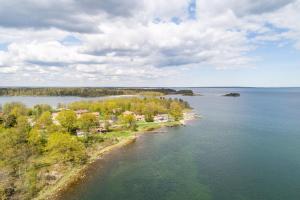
233 94
185 92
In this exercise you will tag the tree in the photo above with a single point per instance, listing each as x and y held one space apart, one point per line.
14 149
30 183
15 108
63 147
36 141
87 121
176 110
23 126
45 120
39 109
129 120
68 120
10 121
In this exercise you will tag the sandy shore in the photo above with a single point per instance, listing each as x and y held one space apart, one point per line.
76 174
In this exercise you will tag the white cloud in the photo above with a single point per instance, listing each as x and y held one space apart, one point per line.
135 41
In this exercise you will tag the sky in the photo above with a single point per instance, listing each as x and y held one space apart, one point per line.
155 43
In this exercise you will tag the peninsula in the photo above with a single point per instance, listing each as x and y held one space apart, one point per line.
45 149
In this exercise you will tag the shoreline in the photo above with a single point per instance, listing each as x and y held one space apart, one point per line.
53 192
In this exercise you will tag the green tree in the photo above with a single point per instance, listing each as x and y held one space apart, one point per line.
31 182
129 120
23 125
36 140
176 110
15 108
87 121
63 147
68 120
10 121
45 120
14 149
39 109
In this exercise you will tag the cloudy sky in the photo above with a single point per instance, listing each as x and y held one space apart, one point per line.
149 43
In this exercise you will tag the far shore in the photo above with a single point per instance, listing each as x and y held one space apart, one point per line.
76 174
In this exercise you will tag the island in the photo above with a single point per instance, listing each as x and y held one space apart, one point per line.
185 92
44 150
232 95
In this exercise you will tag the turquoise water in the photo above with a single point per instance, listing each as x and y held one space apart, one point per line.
243 148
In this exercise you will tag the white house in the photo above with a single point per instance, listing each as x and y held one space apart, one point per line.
161 118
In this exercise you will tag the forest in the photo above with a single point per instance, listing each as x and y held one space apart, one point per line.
85 91
39 145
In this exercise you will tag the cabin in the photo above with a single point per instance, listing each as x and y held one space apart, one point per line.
128 113
54 115
80 112
99 130
30 121
140 118
161 118
80 133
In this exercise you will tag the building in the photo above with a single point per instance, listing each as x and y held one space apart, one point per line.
97 114
161 118
54 115
30 121
140 118
128 113
80 133
80 112
99 130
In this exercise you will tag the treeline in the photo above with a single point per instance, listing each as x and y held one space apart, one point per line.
36 151
84 91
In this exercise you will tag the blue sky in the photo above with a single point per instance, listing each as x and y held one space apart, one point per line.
150 43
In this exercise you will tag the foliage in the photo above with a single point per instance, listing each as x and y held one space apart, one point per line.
9 121
129 121
45 120
176 110
68 120
39 109
36 140
83 92
87 121
15 108
63 147
32 145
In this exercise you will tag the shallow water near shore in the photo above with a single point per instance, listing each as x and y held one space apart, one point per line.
242 148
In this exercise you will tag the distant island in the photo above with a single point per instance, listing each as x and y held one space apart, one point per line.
232 95
89 91
44 149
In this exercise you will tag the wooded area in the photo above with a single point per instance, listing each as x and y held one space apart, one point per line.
39 145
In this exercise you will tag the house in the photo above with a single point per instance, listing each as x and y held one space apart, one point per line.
96 114
80 112
99 130
80 133
30 121
54 115
128 113
140 118
161 118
